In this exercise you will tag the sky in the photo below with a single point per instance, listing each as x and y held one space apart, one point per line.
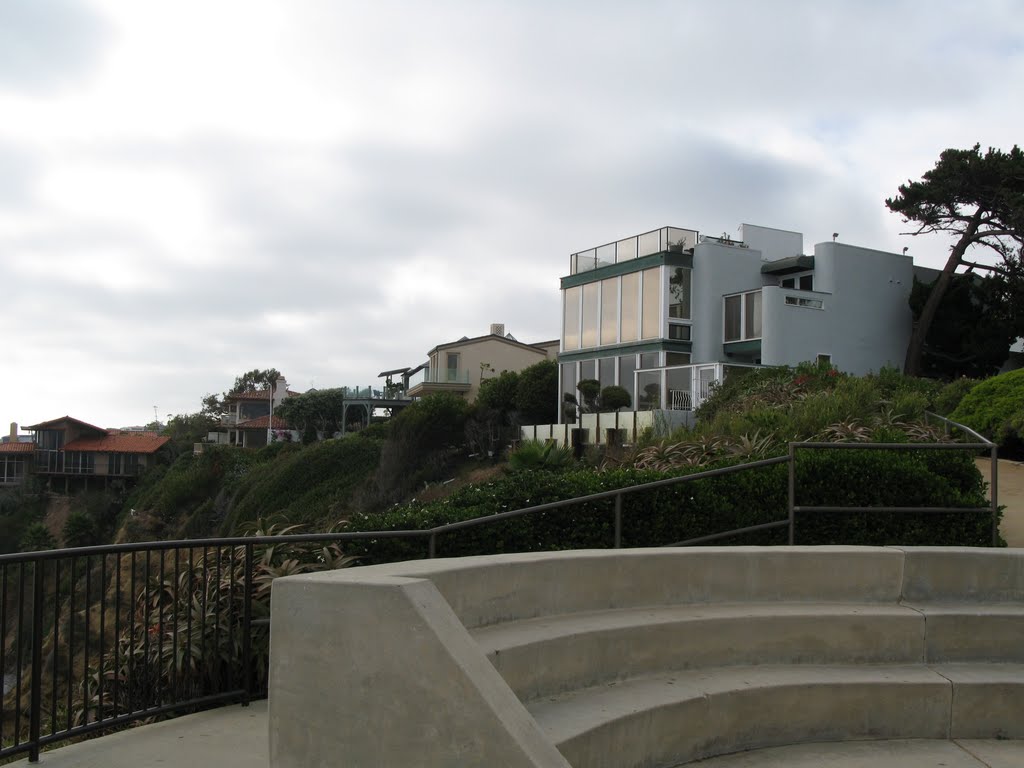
193 189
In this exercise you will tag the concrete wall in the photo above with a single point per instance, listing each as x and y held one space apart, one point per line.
718 270
773 244
376 666
865 320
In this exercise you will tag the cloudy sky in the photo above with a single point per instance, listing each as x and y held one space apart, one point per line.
192 189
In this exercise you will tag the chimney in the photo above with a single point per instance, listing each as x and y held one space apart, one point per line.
14 431
497 329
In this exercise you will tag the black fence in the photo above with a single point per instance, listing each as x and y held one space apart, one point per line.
99 637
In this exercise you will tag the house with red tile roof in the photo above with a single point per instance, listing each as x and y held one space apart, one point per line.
15 458
79 454
250 421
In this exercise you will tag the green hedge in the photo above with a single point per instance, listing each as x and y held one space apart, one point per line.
702 507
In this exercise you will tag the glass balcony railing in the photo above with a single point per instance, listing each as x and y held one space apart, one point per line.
441 376
655 241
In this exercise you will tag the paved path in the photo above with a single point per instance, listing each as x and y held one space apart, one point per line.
221 738
1011 494
237 736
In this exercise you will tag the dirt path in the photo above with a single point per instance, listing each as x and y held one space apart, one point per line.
1011 495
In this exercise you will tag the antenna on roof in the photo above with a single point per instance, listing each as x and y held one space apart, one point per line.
155 417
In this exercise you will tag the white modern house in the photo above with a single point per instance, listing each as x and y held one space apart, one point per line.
665 313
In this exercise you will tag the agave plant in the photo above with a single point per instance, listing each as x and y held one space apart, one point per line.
185 636
756 446
851 431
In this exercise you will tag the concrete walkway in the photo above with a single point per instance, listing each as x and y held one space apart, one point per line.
237 736
222 738
1011 495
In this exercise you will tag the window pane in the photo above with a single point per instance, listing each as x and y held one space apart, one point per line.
650 359
571 319
630 305
732 317
606 368
590 294
677 358
807 283
568 387
679 332
752 319
588 369
679 293
649 396
610 311
627 365
651 326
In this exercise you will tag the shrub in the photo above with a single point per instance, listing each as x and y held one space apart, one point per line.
668 514
949 397
995 408
614 397
533 454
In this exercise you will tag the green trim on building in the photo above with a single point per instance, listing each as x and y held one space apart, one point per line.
595 353
671 258
741 347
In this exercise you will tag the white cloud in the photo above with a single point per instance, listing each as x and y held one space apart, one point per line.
192 190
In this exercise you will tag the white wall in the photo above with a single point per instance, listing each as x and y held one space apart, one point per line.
773 244
865 322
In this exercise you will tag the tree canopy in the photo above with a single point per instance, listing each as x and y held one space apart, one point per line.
978 199
317 412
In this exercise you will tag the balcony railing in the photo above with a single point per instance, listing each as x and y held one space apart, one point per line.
655 241
440 376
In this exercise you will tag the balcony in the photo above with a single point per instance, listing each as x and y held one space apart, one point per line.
655 241
429 381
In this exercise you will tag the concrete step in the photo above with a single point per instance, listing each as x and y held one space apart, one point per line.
666 720
550 655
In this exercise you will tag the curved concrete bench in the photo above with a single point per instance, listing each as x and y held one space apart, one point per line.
643 657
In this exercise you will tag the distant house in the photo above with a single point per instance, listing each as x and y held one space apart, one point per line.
83 455
249 420
460 366
15 457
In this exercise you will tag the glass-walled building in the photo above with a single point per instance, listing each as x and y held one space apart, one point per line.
627 306
636 310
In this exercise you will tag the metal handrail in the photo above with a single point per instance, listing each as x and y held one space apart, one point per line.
32 570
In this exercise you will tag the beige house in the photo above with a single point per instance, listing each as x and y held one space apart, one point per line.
460 366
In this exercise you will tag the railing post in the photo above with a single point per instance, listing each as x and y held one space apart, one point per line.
792 492
994 495
432 546
36 695
618 521
247 628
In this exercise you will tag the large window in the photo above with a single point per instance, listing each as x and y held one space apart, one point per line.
629 328
610 310
591 292
571 319
679 293
606 371
742 319
651 324
452 359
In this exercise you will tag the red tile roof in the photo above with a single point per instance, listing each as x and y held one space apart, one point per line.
55 422
261 423
125 442
17 447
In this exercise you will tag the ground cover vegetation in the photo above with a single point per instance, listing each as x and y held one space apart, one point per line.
752 416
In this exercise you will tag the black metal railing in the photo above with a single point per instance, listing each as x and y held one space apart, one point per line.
98 637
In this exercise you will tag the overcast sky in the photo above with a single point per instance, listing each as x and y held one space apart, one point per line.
196 188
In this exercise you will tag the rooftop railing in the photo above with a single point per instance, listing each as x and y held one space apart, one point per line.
655 241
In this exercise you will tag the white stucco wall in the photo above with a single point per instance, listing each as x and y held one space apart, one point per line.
865 322
773 244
